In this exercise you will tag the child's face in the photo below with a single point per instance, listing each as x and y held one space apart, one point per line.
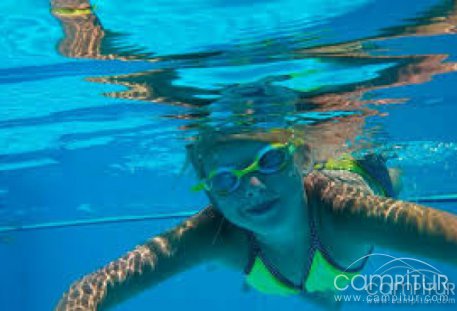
262 202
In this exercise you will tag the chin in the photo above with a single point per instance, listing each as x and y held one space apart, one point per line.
269 224
274 229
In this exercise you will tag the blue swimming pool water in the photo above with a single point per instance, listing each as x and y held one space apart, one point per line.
85 138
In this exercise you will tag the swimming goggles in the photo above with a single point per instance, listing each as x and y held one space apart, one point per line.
269 160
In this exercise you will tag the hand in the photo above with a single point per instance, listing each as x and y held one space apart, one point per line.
70 4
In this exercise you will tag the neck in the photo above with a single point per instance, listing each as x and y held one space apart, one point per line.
291 236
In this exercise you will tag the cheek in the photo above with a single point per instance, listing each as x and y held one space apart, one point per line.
227 206
231 207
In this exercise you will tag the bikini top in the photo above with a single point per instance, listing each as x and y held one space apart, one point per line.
323 274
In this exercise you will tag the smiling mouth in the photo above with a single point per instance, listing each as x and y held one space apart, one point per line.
262 208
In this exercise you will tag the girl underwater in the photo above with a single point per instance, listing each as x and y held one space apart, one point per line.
292 226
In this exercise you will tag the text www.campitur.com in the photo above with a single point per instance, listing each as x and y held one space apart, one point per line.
397 299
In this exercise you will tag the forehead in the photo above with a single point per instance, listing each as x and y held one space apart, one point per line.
230 153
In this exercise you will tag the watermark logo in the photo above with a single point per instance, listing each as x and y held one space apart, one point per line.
399 280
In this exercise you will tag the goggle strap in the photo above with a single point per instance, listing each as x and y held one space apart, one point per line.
199 187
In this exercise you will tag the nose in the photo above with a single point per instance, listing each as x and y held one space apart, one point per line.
254 181
256 187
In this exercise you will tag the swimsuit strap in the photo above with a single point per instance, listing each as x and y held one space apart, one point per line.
316 244
315 241
255 254
263 276
320 269
254 250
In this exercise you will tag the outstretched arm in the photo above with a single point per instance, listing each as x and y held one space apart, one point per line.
390 223
194 241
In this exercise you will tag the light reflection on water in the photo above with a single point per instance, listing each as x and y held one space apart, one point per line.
141 88
94 113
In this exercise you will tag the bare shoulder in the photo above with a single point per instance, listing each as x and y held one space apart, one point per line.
324 189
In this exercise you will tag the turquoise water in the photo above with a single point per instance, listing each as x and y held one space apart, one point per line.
89 138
